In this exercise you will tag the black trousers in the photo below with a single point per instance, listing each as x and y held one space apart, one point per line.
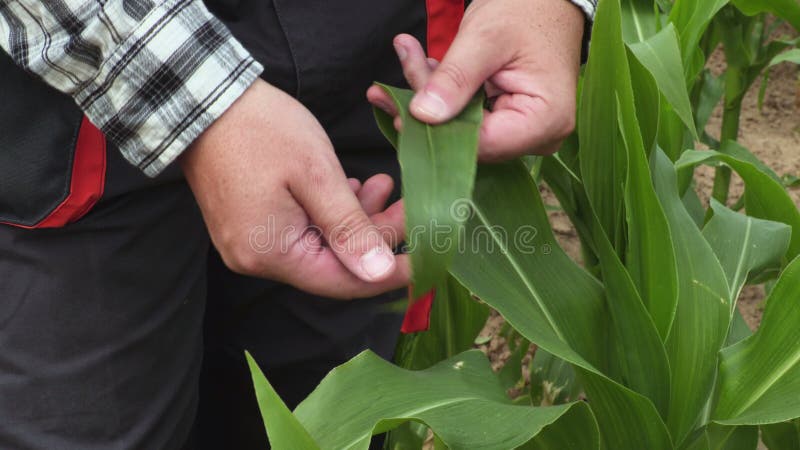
296 338
100 321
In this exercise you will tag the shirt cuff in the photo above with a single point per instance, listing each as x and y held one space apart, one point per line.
169 80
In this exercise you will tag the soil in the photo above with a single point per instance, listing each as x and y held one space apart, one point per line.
772 133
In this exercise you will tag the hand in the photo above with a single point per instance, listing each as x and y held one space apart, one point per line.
277 203
526 53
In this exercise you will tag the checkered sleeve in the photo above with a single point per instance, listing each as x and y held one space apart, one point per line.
151 74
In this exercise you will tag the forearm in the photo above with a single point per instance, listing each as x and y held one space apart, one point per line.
151 75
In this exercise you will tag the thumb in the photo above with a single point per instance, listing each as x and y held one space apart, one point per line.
332 206
469 62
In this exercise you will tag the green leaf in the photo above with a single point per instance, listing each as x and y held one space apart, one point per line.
782 436
788 10
460 399
739 329
648 101
546 297
564 435
710 95
553 380
650 255
792 56
455 321
641 356
759 378
721 437
745 245
765 198
602 154
438 165
639 20
691 18
703 313
662 57
283 428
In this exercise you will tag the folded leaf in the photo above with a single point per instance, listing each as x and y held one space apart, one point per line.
759 378
661 55
765 198
744 244
703 313
438 170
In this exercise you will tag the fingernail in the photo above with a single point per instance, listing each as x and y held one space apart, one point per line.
402 53
376 263
429 104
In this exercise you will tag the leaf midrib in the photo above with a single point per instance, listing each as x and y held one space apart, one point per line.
520 274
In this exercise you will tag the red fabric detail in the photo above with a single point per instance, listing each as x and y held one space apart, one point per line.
418 314
444 17
87 181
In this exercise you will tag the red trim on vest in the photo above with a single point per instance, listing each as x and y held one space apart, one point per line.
444 17
87 181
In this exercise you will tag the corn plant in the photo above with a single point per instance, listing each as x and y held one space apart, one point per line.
647 329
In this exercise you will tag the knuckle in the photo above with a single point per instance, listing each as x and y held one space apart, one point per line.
347 228
456 75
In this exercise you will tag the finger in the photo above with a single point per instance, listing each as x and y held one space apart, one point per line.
391 224
413 60
322 189
323 274
355 184
381 100
469 62
521 124
375 192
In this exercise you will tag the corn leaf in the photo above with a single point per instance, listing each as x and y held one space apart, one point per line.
553 380
283 429
765 198
759 378
648 101
661 55
650 255
638 20
641 356
792 56
703 312
744 244
691 18
721 437
602 154
550 300
438 166
782 436
788 10
460 399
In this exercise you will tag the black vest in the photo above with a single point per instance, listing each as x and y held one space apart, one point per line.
54 165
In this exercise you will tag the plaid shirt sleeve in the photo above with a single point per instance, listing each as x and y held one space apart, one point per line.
151 74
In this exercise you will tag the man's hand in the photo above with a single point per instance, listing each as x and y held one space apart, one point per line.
526 53
278 205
